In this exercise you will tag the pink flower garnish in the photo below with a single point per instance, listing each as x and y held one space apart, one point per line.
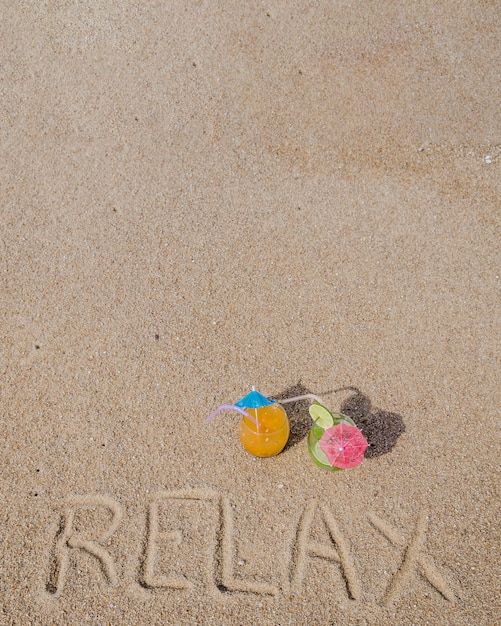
343 445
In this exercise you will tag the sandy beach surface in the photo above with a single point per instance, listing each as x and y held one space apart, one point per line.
198 197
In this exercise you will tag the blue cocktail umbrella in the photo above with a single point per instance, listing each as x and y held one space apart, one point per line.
253 400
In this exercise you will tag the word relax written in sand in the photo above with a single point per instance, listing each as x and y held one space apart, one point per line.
219 572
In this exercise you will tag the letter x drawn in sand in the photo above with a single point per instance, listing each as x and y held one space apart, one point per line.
414 558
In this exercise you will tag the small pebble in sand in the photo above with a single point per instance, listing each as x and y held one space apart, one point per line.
488 159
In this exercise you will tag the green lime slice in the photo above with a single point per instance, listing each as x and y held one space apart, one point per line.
319 456
321 415
320 459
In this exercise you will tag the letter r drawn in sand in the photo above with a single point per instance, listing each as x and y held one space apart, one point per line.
70 539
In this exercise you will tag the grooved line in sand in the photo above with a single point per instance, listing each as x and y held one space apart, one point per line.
155 536
67 539
228 579
219 573
413 557
305 548
219 568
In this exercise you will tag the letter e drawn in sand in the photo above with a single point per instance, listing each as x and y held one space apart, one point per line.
306 548
155 536
414 558
70 539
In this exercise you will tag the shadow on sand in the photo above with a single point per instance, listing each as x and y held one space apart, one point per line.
381 428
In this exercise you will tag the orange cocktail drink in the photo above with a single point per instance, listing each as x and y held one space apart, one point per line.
264 427
266 431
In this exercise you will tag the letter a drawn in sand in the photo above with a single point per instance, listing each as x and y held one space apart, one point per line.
414 558
68 539
305 549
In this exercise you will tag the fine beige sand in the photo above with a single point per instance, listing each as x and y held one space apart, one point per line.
198 197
